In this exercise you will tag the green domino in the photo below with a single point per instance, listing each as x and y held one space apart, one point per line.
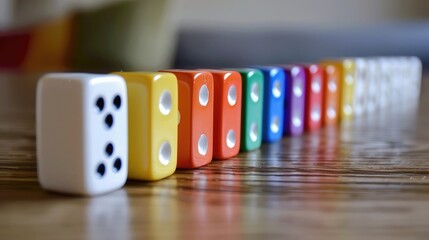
252 107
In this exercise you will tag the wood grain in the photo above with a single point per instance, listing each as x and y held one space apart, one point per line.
368 179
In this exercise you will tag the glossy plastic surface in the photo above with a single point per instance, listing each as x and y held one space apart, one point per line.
332 90
294 100
82 133
273 111
227 113
252 108
152 121
315 81
196 99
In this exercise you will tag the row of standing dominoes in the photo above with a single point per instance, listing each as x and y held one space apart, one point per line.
95 131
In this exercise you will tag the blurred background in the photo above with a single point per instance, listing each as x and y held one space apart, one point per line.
112 35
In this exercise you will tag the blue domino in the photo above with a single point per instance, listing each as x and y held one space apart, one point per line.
274 95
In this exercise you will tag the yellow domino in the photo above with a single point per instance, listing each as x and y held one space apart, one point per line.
346 68
152 123
348 89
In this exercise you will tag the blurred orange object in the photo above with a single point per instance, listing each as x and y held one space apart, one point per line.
196 101
50 46
44 47
332 90
227 113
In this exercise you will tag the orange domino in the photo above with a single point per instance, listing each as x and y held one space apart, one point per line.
195 133
332 91
227 113
314 96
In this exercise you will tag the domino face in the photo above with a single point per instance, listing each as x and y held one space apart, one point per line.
346 68
385 82
82 133
252 108
227 113
152 122
373 81
415 66
273 110
407 82
347 89
405 77
314 97
294 100
361 87
331 101
196 99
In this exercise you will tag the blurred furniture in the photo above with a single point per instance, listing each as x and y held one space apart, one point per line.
229 47
127 35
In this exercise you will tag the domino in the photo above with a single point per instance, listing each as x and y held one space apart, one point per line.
227 113
416 76
153 119
378 83
196 99
347 89
273 109
373 83
404 79
252 108
294 100
408 79
384 82
361 87
385 94
82 131
346 68
331 100
314 96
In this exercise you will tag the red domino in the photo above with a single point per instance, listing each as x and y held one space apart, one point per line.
227 113
314 96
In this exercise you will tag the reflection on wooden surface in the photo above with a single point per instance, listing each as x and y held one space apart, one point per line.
367 179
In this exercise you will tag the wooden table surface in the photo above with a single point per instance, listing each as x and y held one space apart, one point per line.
368 179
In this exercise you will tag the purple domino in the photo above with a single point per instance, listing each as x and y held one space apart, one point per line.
294 100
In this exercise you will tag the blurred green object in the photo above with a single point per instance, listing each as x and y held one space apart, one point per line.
251 108
131 35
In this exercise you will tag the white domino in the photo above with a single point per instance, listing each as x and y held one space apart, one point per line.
415 76
386 73
385 83
398 79
82 133
372 81
360 97
403 78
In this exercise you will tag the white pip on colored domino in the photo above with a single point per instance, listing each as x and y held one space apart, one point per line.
82 133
